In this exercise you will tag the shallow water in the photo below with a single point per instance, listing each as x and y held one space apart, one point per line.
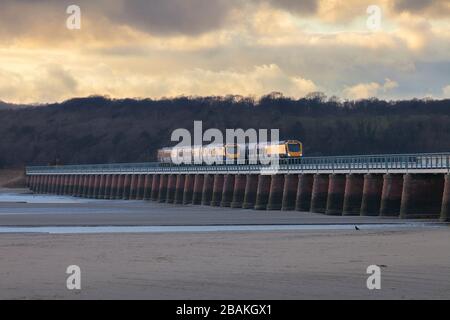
40 198
219 228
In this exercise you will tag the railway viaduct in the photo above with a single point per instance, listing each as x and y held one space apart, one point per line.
403 185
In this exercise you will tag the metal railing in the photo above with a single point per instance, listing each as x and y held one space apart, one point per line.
430 162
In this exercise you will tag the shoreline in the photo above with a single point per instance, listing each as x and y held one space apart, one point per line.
263 264
260 265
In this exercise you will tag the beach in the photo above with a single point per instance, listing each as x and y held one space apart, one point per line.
296 264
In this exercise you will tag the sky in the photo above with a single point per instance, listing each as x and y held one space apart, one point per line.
352 49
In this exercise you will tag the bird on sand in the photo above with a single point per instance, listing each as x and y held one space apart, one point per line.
356 228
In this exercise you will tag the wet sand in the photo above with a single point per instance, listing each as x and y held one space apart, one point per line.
23 209
257 265
320 264
13 178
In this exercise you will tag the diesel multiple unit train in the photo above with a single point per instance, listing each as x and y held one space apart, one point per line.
230 153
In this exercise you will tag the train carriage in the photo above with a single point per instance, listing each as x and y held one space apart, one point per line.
231 153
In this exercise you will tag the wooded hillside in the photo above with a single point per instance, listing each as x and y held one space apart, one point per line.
99 130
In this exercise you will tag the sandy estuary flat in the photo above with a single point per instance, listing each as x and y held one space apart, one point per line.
259 262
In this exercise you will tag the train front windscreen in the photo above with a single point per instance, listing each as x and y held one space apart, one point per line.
294 147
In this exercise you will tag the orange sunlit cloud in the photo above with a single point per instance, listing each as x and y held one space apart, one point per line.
160 48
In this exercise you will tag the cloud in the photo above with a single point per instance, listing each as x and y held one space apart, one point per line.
362 91
10 86
55 81
345 11
368 90
413 5
45 83
415 32
446 91
170 47
437 8
52 83
304 7
160 17
175 16
257 81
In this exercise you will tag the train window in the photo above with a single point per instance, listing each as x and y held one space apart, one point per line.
232 149
294 147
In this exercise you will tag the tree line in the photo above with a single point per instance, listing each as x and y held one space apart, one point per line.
100 130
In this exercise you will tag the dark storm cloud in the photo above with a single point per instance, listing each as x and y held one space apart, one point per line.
174 16
159 17
413 5
418 6
152 16
301 7
192 16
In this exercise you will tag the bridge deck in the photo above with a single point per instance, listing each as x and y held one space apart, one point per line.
395 163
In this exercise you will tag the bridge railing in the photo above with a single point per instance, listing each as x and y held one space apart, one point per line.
429 161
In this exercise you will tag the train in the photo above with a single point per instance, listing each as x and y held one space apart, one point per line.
230 153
